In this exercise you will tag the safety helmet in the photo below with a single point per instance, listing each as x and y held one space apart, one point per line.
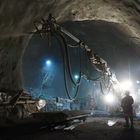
127 92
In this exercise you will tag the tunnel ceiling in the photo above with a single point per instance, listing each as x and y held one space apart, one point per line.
17 18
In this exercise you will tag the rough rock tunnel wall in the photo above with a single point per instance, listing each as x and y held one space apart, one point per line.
16 21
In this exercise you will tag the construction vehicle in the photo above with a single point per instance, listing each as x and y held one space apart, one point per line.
16 105
49 28
19 104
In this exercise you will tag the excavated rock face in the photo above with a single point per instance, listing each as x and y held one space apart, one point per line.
17 18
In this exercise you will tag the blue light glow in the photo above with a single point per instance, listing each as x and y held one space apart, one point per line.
76 77
48 62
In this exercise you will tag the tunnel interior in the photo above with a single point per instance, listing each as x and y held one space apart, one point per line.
64 62
109 40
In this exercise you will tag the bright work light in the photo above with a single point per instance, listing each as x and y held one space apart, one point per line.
109 98
48 62
126 85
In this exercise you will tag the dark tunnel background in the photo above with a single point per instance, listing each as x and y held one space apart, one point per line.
106 39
